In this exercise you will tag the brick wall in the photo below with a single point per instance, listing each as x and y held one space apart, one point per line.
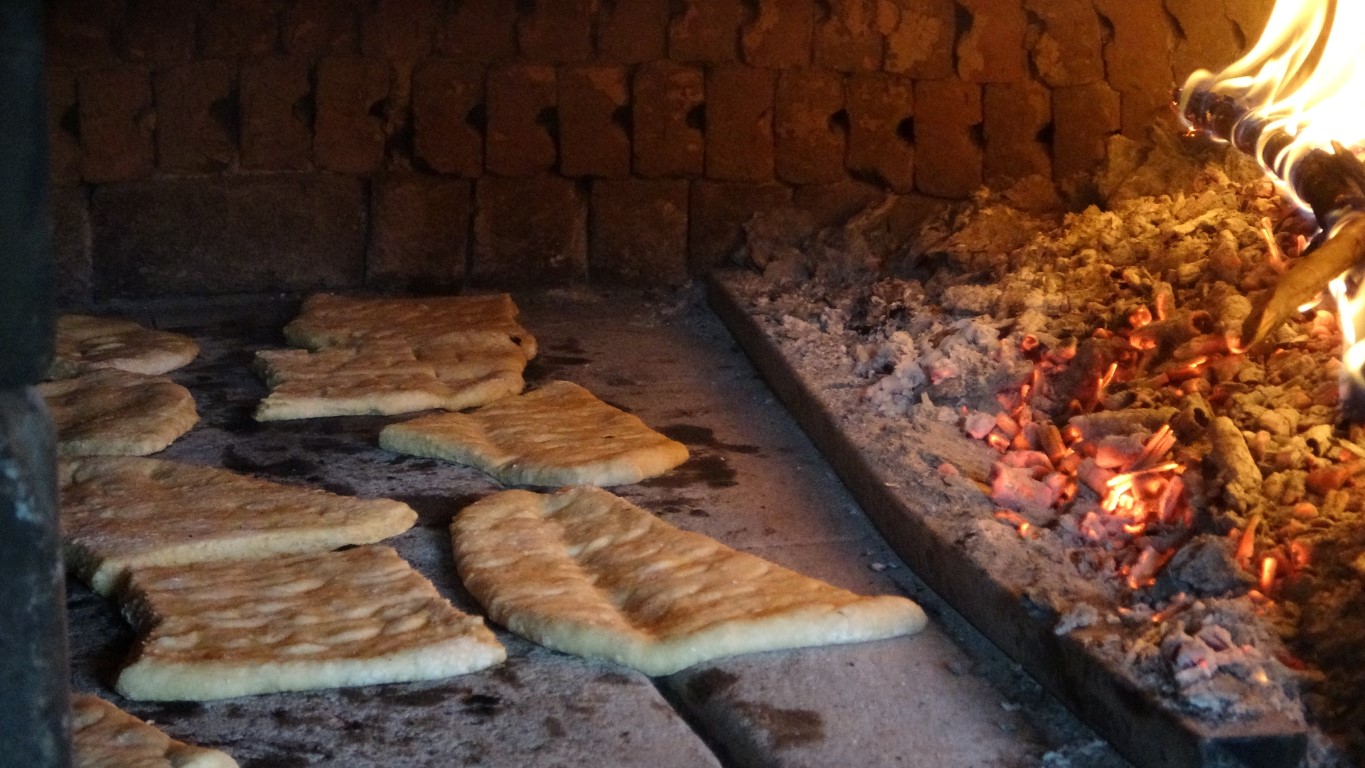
219 146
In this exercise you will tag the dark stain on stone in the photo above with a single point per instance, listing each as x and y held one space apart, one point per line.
615 678
436 511
280 715
234 711
508 675
571 344
342 489
173 710
427 698
276 761
694 512
561 361
481 704
621 381
705 685
786 728
293 467
354 730
555 728
712 470
619 407
692 434
355 695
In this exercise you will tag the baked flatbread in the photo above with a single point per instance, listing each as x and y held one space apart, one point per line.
586 572
104 736
557 435
471 322
109 412
382 377
120 512
85 342
321 620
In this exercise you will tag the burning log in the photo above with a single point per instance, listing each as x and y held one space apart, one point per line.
1230 463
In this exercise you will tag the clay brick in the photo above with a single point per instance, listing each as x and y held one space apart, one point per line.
557 31
1085 116
716 215
276 129
1016 116
399 29
668 140
196 117
811 126
1137 60
63 137
115 109
830 205
349 128
632 31
228 234
1250 17
848 40
1140 111
321 28
739 123
779 35
1066 48
947 125
480 30
920 37
521 119
77 32
530 231
1209 39
880 138
232 28
419 227
592 139
639 232
159 31
992 50
445 95
706 31
69 220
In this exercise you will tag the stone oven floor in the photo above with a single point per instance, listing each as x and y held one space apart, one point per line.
944 697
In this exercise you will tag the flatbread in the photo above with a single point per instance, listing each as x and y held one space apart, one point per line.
84 343
471 322
104 736
120 512
557 435
110 412
586 572
356 617
383 377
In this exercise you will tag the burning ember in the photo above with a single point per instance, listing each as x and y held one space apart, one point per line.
1119 424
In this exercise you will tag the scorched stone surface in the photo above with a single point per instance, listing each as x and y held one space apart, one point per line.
753 482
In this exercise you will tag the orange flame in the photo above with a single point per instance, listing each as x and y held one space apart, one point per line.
1304 77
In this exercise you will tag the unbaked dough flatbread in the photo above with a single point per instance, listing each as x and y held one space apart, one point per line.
110 412
119 512
471 322
104 736
382 377
586 572
85 342
356 617
557 435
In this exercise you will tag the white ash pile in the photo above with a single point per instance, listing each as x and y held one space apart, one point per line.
1091 358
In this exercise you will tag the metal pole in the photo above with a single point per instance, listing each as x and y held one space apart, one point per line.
34 676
